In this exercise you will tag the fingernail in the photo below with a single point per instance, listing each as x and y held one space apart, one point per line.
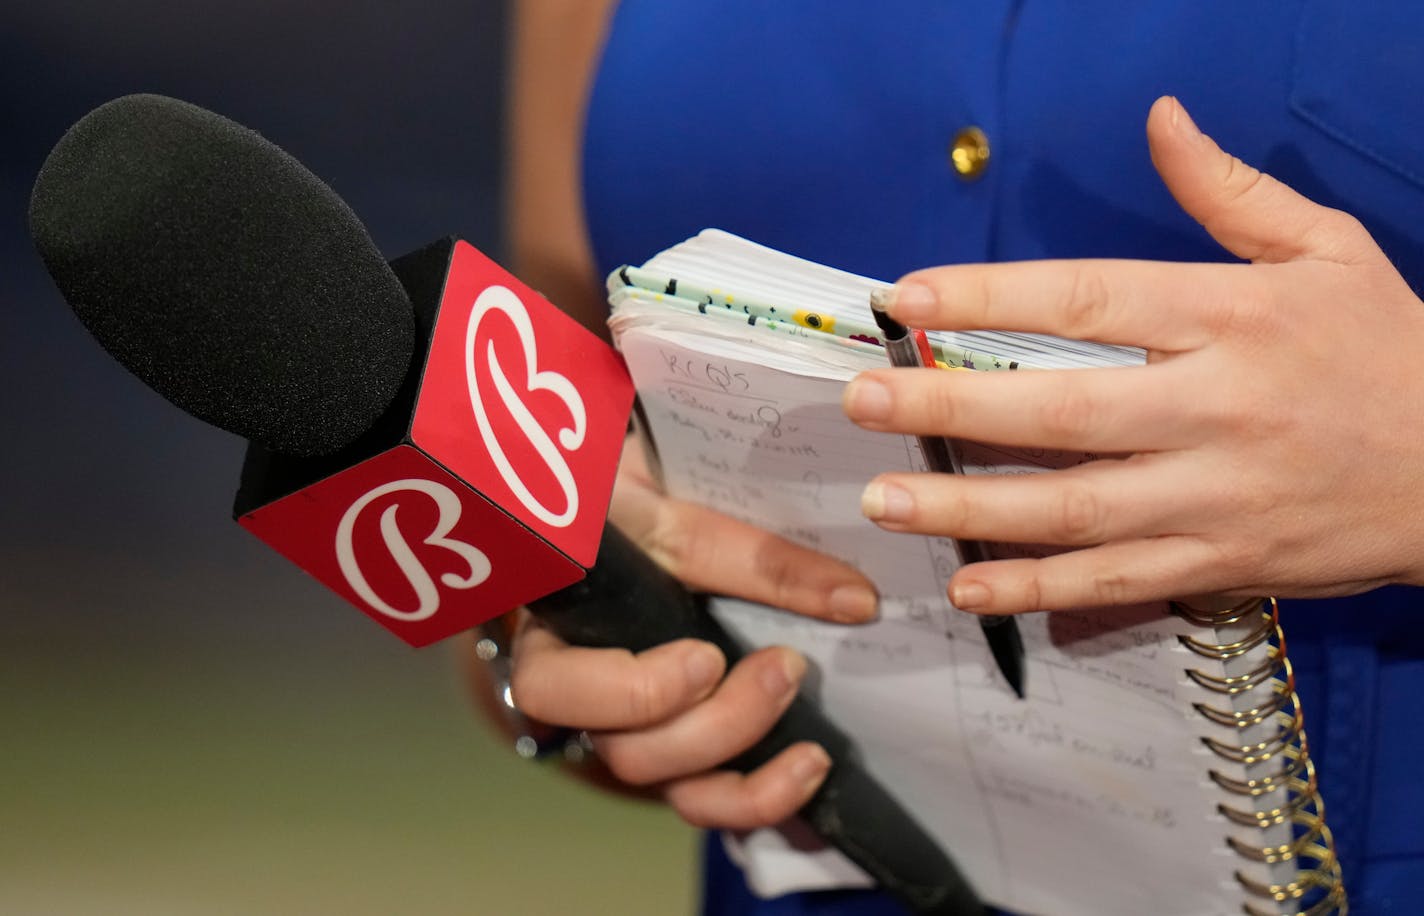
810 767
1183 122
969 596
703 664
852 603
886 502
867 399
911 303
781 679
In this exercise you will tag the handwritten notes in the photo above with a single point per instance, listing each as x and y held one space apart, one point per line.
1090 797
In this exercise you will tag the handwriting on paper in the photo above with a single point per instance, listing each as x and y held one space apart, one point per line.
1102 747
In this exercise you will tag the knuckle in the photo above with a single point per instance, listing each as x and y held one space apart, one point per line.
1343 225
528 693
1068 413
1033 596
627 766
767 803
694 810
650 697
1086 307
980 290
1342 237
1239 410
1254 502
940 405
669 544
778 569
1251 314
1080 515
953 506
1242 561
1112 587
1257 557
1239 181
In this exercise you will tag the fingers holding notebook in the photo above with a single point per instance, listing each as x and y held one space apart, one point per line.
713 552
1275 432
1083 409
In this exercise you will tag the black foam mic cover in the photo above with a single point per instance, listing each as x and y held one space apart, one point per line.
222 273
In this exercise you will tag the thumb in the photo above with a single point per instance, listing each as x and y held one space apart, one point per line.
1248 212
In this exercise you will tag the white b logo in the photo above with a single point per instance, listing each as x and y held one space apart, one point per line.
426 593
501 299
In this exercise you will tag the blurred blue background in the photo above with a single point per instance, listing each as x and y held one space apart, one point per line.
189 725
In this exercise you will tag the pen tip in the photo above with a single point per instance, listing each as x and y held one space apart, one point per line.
880 298
1006 645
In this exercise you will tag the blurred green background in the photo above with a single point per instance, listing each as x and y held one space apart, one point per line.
154 763
189 725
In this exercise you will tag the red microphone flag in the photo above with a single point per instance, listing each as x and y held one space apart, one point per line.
487 483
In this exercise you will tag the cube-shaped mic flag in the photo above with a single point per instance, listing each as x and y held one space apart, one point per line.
484 486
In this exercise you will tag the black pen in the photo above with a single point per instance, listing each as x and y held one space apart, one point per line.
1002 633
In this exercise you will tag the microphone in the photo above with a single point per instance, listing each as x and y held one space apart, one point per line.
429 438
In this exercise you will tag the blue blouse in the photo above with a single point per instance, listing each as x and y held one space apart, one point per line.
823 128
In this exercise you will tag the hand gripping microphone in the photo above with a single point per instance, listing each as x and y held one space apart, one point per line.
429 438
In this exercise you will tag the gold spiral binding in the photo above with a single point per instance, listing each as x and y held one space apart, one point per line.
1289 794
1231 686
1293 765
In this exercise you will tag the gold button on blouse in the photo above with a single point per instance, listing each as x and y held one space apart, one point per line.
969 153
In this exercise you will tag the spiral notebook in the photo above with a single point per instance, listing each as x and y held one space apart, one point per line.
1159 762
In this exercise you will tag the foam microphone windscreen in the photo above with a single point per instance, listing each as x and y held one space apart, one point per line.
223 273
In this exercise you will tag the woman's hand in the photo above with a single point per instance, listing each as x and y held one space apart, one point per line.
1273 444
667 718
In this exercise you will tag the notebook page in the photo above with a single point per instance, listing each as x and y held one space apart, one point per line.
1089 797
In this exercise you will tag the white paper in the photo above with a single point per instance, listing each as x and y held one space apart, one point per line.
1092 795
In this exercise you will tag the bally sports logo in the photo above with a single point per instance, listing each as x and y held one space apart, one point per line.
492 488
426 594
502 300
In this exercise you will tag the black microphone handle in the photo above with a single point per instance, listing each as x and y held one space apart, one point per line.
628 601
